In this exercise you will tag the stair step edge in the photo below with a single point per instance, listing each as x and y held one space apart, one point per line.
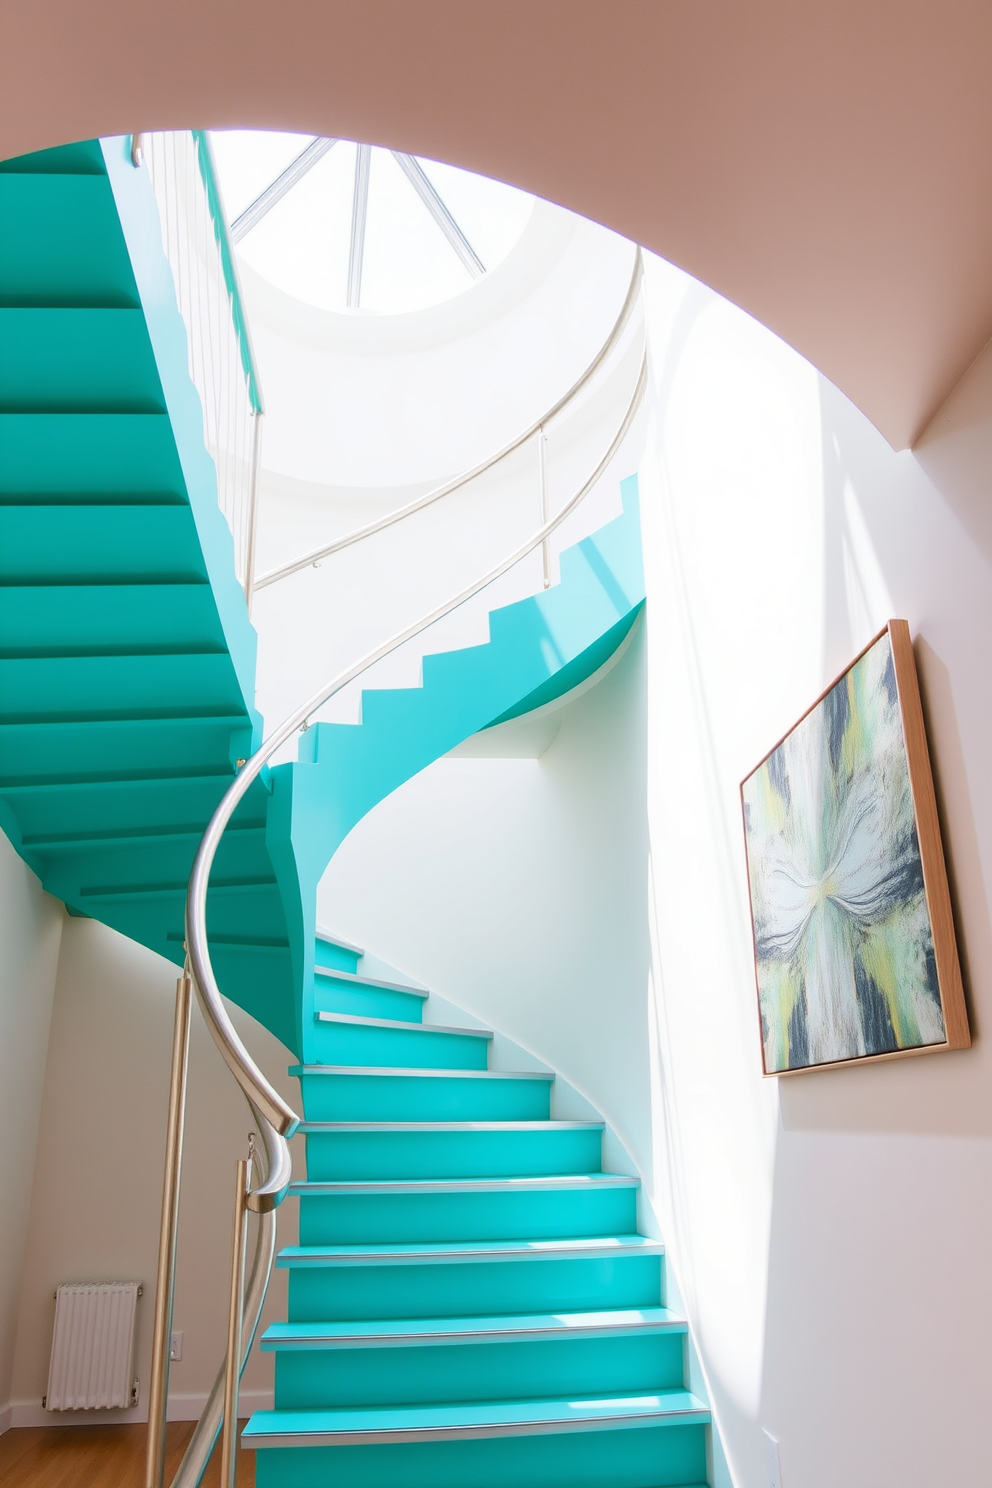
417 1073
331 1128
424 1332
591 1182
405 1027
453 1252
335 940
352 979
488 1419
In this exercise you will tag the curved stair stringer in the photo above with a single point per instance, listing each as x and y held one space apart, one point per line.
539 648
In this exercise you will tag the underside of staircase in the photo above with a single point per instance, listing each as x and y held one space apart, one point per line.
470 1302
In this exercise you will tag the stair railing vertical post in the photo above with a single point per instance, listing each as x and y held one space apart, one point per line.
158 1393
232 1376
256 466
542 464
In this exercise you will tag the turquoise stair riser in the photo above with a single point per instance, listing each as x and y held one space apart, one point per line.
645 1457
94 869
106 545
197 746
87 619
354 1292
54 808
334 995
351 1043
101 455
337 957
76 689
452 1154
321 1379
74 361
43 264
388 1097
511 1214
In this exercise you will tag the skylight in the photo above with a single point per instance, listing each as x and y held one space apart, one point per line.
355 228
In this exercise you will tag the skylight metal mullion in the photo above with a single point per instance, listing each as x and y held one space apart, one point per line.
428 194
276 190
359 216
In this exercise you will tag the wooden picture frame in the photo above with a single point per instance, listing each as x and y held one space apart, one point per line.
855 953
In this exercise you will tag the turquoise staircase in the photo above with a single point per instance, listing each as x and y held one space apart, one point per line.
470 1304
470 1301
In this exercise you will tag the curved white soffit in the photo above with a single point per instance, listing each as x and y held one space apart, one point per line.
825 167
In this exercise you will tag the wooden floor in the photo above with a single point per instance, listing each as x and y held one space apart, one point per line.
98 1457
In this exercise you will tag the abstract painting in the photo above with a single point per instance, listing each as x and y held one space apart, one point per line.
854 941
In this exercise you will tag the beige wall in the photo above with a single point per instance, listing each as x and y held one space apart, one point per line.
97 1190
30 927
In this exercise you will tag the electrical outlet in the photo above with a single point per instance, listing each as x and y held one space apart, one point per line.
773 1464
176 1346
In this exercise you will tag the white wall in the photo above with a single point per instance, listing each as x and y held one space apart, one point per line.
814 1221
829 1233
30 928
516 888
94 1211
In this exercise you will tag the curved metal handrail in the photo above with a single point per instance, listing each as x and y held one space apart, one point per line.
402 512
253 1082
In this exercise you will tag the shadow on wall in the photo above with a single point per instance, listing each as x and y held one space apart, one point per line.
877 508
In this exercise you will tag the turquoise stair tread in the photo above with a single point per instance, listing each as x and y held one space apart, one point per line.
488 1418
397 1023
404 1072
537 1183
419 1253
448 1126
616 1322
354 979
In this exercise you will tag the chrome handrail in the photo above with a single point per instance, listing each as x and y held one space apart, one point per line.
402 512
275 1118
251 1079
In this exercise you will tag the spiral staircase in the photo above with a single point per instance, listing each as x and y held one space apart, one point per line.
470 1300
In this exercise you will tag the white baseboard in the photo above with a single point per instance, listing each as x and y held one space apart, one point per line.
181 1408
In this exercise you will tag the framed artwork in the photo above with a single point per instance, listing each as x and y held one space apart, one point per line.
854 946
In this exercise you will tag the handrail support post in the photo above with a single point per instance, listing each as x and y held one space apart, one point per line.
165 1281
542 463
256 471
232 1377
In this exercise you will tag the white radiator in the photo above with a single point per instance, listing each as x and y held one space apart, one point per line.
92 1363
